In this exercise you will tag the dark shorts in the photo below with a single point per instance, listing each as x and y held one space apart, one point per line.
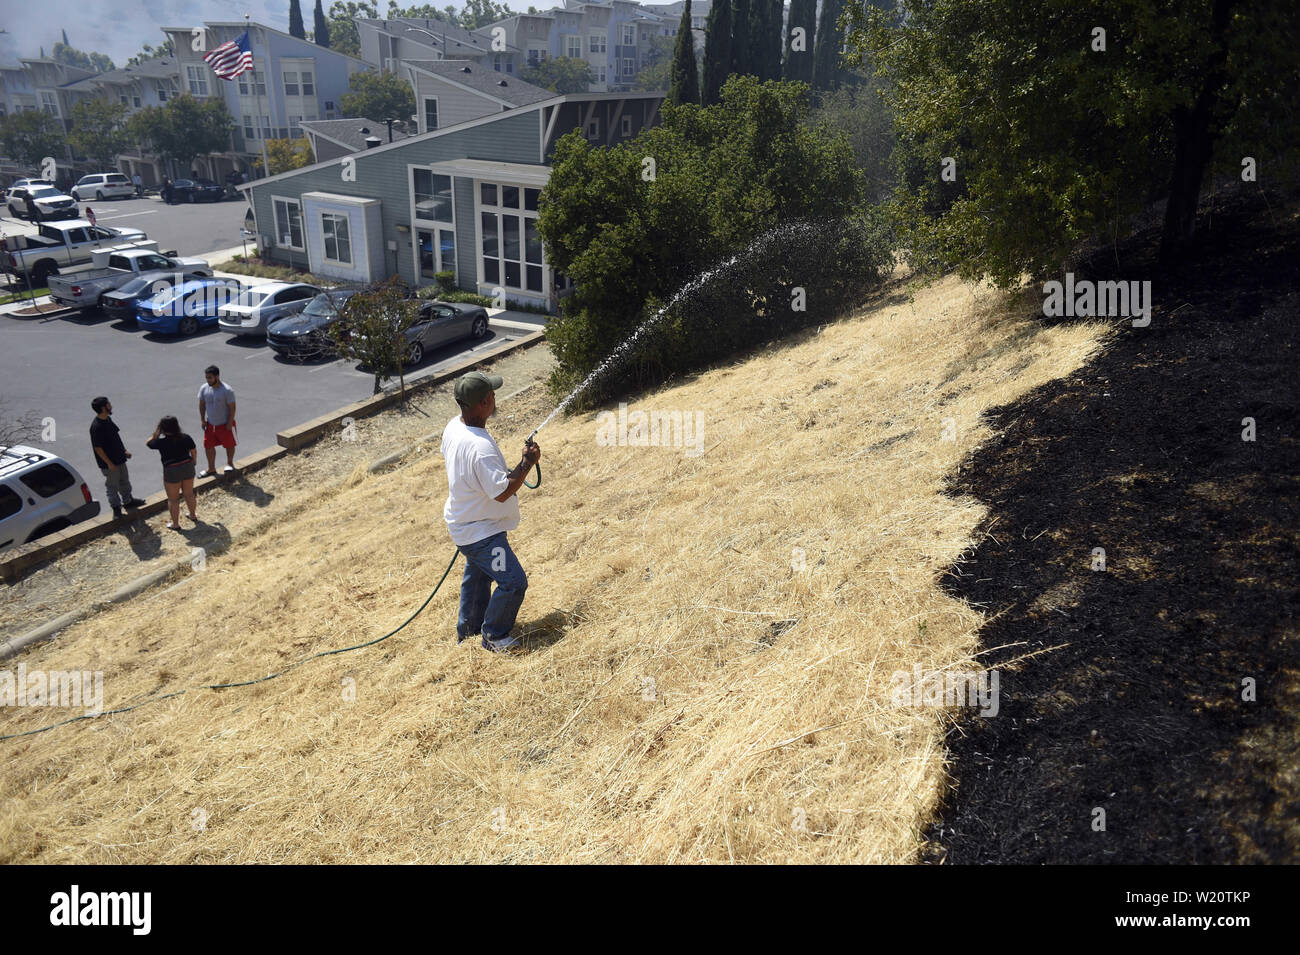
218 434
175 473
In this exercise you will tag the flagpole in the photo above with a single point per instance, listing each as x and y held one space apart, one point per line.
261 133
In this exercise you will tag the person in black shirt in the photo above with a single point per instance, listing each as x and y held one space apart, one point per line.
33 210
178 453
110 455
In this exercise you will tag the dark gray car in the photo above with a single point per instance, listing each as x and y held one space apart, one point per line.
441 323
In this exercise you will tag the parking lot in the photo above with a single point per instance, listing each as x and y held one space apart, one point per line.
52 366
189 229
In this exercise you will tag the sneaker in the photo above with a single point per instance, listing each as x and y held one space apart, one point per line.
117 513
203 474
133 502
501 645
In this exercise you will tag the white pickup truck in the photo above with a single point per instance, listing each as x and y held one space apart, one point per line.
58 245
82 288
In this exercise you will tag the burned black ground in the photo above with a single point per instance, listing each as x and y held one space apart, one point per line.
1135 703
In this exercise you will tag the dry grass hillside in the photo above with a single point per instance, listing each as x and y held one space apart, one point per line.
711 651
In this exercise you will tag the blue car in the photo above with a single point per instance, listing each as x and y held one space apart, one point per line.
184 309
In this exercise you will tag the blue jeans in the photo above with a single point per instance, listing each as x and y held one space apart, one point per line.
488 560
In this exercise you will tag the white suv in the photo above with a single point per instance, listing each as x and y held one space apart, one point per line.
103 185
40 493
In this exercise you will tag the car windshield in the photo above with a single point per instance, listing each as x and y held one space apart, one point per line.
43 193
328 303
250 297
204 182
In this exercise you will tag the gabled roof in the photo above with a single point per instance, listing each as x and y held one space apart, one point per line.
347 132
458 38
502 87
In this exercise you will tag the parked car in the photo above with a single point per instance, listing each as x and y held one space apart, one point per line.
52 203
441 323
197 190
120 304
103 185
84 287
40 493
306 335
184 309
259 306
57 246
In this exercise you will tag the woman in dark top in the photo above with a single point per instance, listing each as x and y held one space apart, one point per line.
178 455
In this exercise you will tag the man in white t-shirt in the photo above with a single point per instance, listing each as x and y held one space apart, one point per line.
481 507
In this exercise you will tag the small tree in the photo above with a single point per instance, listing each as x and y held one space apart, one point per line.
560 74
381 96
285 155
373 329
684 86
99 130
17 428
184 128
32 135
344 37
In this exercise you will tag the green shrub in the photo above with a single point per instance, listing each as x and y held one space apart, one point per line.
446 279
239 266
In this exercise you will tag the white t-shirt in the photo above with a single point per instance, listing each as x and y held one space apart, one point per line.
476 474
217 402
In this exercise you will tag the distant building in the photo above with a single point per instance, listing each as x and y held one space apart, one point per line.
332 138
461 198
293 81
151 83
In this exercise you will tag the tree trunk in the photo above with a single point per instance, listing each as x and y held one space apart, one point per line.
1195 130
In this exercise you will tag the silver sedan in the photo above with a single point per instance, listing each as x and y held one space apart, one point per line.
257 307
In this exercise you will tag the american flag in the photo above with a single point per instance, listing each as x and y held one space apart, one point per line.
232 58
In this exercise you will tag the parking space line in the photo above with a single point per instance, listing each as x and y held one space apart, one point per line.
127 215
323 367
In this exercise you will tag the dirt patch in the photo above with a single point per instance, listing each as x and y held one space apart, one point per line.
1133 702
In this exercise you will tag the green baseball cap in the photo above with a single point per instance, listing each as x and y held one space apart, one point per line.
473 387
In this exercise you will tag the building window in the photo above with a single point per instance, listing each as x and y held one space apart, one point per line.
123 99
249 131
629 66
596 43
290 82
535 57
593 128
162 96
266 127
338 244
198 80
430 113
432 196
629 34
255 86
136 100
50 103
573 46
600 74
627 126
288 223
308 83
512 246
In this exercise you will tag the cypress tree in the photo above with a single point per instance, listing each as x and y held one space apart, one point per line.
826 59
717 52
685 85
321 28
295 21
759 11
799 63
740 37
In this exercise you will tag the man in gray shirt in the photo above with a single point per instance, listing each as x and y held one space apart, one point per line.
217 414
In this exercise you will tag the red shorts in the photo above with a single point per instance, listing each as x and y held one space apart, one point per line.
218 434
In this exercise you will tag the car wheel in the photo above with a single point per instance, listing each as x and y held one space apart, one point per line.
42 272
416 354
480 328
188 325
99 196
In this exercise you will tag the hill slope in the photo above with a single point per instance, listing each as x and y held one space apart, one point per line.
712 643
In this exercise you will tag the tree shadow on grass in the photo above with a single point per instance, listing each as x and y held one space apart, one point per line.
1166 692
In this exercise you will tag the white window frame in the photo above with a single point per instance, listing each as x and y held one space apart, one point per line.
430 225
593 129
347 228
302 226
284 76
197 78
629 29
308 82
573 45
499 210
594 39
629 66
424 113
50 103
627 125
